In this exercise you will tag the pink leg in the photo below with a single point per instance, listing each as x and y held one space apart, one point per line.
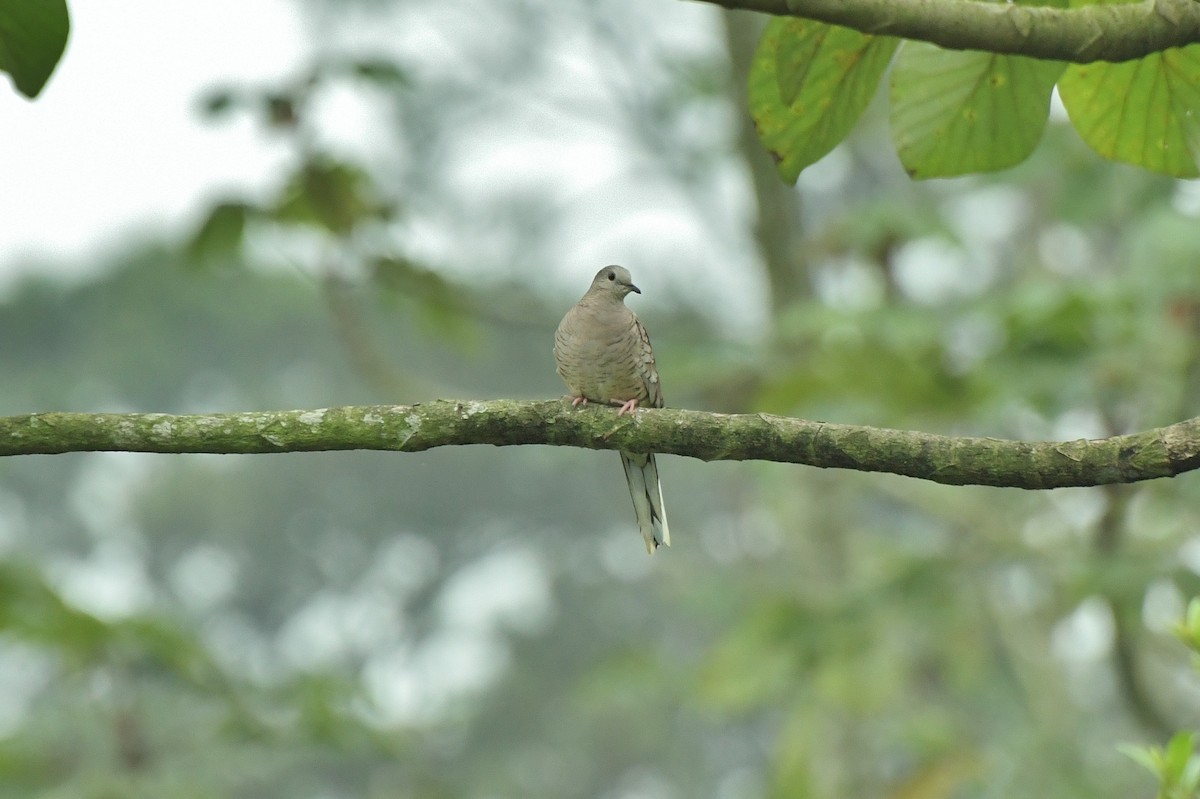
577 401
628 407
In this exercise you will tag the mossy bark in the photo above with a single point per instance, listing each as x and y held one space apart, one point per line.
1105 32
1162 452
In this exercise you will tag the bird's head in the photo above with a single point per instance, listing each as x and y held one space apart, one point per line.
613 281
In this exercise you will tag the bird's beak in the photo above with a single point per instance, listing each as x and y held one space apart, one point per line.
634 289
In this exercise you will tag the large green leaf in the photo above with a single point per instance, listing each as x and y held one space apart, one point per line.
1144 112
954 112
809 83
33 34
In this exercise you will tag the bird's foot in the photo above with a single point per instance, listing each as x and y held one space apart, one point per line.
577 401
628 407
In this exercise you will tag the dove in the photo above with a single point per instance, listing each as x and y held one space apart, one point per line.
603 354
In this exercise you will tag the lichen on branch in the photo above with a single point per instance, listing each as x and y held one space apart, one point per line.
1161 452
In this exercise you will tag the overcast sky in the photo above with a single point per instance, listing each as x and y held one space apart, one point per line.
115 141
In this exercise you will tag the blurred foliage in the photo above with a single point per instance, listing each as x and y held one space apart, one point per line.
32 39
324 192
482 622
335 199
1176 765
956 113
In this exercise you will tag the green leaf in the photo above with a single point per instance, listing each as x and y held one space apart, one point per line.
1147 756
31 610
443 306
1175 758
412 279
331 194
219 102
1190 778
1188 630
380 70
220 235
33 35
827 74
374 69
955 112
1144 112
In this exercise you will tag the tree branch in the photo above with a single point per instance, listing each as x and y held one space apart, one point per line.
1108 32
1163 452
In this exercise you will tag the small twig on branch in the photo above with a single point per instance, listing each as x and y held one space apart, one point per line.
1097 32
1162 452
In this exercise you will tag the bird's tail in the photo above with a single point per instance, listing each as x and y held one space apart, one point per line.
641 472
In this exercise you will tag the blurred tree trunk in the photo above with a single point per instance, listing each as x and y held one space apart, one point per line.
779 226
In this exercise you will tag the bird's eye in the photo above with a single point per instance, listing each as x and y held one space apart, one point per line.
612 275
